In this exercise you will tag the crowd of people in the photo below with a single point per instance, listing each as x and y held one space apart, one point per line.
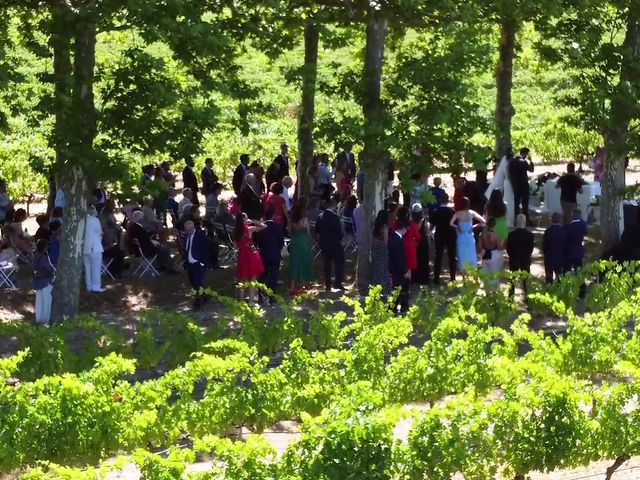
408 244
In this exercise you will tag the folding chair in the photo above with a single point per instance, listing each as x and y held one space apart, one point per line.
144 264
7 270
349 243
105 268
315 248
224 235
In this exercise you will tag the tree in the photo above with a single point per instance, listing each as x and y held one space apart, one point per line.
598 43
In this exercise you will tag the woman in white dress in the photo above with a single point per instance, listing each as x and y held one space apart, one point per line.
93 252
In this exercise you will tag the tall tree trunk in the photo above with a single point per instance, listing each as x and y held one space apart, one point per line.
504 84
307 112
73 177
617 131
374 155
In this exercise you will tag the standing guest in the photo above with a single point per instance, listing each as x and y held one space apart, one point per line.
343 182
324 177
256 169
43 277
56 215
350 206
420 274
300 254
598 164
100 196
271 242
329 232
147 176
239 173
250 265
275 202
520 249
492 251
190 180
570 184
43 228
282 160
348 158
167 174
465 241
400 272
59 200
358 223
497 209
172 206
412 236
55 236
444 239
6 206
576 231
312 178
249 198
93 252
209 179
438 194
380 274
271 175
196 253
287 183
186 202
458 190
518 174
554 246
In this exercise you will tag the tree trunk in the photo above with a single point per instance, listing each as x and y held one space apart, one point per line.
307 111
504 84
374 153
617 131
73 175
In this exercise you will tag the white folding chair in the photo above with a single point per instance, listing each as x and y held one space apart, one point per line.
7 270
349 243
315 248
105 268
230 256
145 264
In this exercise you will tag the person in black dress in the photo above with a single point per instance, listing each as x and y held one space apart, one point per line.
445 238
519 248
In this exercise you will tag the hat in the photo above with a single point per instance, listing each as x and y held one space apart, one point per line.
416 208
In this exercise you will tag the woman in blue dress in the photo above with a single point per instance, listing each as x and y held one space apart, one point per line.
462 221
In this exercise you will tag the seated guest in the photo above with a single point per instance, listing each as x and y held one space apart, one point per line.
43 228
6 206
249 198
55 236
171 205
554 245
138 237
150 221
271 242
520 248
193 214
212 201
56 215
223 216
20 240
43 276
111 239
186 201
350 205
274 201
576 231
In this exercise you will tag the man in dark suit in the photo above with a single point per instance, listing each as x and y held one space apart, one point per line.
445 238
209 179
189 178
270 242
554 245
136 234
196 248
519 248
283 163
400 273
519 176
250 202
239 173
576 231
329 232
349 159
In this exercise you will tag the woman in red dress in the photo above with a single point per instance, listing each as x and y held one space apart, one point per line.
411 239
250 265
275 201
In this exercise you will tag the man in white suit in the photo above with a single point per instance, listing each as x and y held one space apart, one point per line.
93 251
502 182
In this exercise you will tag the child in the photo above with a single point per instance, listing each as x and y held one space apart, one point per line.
43 276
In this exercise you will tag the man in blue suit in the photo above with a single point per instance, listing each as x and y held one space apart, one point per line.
270 242
196 247
329 232
400 273
576 231
554 246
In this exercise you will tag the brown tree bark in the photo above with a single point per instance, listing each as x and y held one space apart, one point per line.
504 84
307 112
617 132
373 159
79 132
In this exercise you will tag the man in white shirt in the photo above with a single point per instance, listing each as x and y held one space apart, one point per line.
59 201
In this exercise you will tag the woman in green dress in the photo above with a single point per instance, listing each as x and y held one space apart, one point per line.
300 253
497 209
